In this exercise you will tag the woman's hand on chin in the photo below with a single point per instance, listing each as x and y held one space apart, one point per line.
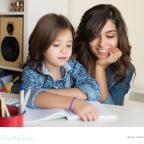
114 56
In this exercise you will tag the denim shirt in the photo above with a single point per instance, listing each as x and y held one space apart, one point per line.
73 75
117 91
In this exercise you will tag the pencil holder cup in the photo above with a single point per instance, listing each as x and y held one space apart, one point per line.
15 120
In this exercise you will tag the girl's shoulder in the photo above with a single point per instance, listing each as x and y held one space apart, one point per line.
29 70
73 63
30 73
75 66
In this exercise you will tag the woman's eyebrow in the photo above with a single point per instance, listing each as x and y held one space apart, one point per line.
111 31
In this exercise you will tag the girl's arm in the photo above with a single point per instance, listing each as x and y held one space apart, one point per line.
86 111
71 92
84 86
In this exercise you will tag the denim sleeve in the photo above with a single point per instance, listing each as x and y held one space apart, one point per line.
118 90
34 93
85 83
32 80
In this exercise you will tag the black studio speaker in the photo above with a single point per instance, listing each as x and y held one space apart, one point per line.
11 41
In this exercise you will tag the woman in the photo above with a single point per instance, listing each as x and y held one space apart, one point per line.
102 46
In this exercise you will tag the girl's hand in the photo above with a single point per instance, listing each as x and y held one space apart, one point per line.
115 54
86 111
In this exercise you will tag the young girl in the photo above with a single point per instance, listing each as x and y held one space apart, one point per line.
56 81
102 46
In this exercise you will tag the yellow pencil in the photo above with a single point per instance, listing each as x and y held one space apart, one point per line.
2 110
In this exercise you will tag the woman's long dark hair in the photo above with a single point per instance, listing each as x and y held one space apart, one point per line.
91 24
44 34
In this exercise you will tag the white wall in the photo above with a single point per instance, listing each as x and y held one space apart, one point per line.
34 9
37 8
4 5
132 11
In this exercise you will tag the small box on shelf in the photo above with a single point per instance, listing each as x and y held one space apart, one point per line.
17 6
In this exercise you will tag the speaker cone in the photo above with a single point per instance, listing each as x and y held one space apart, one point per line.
10 49
10 28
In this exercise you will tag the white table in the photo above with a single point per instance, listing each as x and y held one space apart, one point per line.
127 117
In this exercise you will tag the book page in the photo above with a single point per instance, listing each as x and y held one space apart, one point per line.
105 114
34 115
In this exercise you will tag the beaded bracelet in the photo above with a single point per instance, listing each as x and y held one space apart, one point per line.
71 103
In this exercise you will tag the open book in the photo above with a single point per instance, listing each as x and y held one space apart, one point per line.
33 115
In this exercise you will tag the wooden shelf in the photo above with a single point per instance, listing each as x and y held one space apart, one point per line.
11 13
11 68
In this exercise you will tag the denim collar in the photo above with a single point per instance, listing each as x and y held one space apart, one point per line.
41 68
